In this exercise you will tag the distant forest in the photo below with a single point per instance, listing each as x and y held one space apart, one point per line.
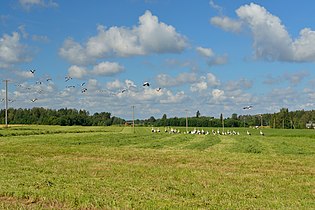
66 117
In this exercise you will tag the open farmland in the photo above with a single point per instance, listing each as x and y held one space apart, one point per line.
43 167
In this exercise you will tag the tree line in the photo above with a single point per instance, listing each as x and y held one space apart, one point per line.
283 119
64 116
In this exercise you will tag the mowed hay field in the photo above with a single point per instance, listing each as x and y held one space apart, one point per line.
53 167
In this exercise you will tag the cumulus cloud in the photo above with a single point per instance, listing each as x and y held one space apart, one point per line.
28 4
107 69
204 82
226 23
240 84
183 78
200 86
271 40
179 97
25 74
218 60
74 52
206 52
12 51
292 78
149 37
100 69
212 80
218 94
77 72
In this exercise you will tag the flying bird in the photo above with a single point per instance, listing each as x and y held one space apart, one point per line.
248 107
70 86
32 71
124 90
83 84
158 89
84 90
146 84
34 99
67 78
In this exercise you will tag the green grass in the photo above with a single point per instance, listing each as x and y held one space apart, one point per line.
53 167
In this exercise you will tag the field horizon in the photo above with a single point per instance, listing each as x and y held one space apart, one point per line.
77 167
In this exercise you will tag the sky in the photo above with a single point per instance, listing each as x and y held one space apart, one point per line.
207 55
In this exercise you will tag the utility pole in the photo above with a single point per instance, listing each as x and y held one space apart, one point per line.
222 123
186 121
6 103
133 118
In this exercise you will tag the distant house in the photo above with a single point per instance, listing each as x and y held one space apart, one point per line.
310 124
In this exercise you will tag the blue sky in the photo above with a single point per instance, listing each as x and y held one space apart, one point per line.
212 56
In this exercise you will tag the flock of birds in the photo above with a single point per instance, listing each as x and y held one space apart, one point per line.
202 131
67 78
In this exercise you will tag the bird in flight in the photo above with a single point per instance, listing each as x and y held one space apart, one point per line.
32 71
146 84
248 107
158 89
84 90
34 99
67 78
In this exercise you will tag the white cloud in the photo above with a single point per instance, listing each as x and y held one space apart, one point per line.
179 97
296 78
101 69
199 87
293 78
218 60
218 94
212 80
149 37
204 82
74 52
215 6
12 51
165 80
226 23
114 85
28 4
206 52
25 74
271 40
77 72
107 69
240 84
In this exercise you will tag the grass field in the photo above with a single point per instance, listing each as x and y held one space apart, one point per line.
52 167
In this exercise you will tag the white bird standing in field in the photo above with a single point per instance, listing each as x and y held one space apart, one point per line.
248 133
261 133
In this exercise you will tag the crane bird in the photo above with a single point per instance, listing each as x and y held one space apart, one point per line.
248 133
248 107
261 133
146 84
34 99
32 71
67 78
